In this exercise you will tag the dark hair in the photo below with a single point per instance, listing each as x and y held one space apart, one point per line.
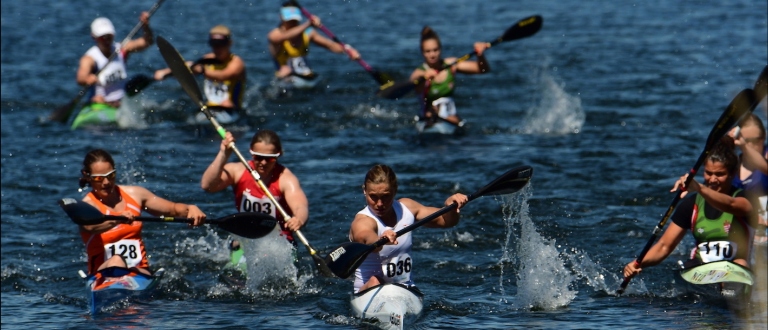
381 174
753 119
426 34
94 156
290 3
724 152
268 137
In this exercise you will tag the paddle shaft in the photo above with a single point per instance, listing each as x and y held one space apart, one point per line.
333 37
70 106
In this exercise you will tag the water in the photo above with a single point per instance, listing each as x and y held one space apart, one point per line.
609 102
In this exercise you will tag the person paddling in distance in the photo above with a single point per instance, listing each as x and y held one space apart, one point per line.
753 172
118 243
224 72
439 83
716 213
265 148
108 87
381 218
289 43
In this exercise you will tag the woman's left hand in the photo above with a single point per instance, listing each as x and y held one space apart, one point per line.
196 214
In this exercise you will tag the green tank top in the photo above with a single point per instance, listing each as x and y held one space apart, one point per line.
708 230
441 89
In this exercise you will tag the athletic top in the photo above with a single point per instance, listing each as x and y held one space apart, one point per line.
393 264
216 92
441 89
250 198
708 224
111 83
288 51
123 239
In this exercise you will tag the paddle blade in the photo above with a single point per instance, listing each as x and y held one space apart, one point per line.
62 113
247 224
761 85
180 70
740 106
347 257
381 78
510 182
524 28
136 84
396 90
81 212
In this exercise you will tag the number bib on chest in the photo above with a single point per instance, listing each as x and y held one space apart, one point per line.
397 269
129 249
716 251
112 73
254 204
215 92
299 66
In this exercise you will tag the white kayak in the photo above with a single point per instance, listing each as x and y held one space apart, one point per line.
297 82
221 115
388 304
440 127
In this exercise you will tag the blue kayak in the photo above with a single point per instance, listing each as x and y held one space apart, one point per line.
111 285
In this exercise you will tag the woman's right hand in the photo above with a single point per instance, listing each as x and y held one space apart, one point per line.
632 269
226 142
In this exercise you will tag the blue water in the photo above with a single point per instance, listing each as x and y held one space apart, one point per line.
610 102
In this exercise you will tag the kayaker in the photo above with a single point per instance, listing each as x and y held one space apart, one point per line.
753 173
289 43
265 149
224 72
118 243
717 214
381 218
439 84
109 85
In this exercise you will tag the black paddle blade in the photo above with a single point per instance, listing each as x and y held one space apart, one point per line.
381 78
510 182
741 105
81 212
180 70
247 224
524 28
395 90
136 84
761 85
321 266
62 113
347 257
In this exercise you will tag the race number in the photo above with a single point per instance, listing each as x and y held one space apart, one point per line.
253 204
397 269
716 251
299 66
129 249
215 92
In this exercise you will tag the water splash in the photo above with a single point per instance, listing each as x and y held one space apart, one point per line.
556 112
543 281
131 114
270 264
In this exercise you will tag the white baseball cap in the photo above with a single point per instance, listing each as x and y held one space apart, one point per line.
102 26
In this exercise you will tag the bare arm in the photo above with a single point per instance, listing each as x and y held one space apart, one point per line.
447 220
235 69
738 206
159 206
365 230
478 67
658 252
326 43
85 75
278 35
296 199
143 42
219 175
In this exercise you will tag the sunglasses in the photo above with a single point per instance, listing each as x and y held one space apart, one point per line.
217 43
100 177
258 157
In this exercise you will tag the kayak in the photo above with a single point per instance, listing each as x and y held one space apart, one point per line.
95 114
388 305
441 127
111 285
222 115
720 280
297 82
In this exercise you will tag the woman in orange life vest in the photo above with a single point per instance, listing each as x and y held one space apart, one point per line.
715 212
289 42
118 243
439 97
284 186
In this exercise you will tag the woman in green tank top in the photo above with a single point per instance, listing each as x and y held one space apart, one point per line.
440 83
715 212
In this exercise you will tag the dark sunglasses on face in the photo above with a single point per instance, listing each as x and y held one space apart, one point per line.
100 177
258 157
217 43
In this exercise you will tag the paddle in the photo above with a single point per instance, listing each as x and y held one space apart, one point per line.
246 224
523 28
62 113
348 256
741 105
187 80
760 89
140 81
381 78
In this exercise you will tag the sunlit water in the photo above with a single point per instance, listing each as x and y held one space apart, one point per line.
609 102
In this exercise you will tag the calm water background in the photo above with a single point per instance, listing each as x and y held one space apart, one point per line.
610 102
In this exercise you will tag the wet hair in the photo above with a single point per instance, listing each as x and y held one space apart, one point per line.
290 3
724 152
267 137
753 119
381 174
94 156
426 34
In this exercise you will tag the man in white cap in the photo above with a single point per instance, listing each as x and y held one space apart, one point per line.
108 86
289 43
